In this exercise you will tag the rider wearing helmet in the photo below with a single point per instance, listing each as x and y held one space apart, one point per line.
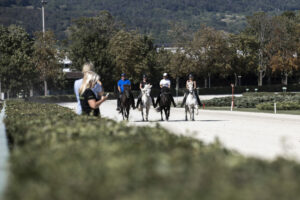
123 82
142 85
191 80
165 83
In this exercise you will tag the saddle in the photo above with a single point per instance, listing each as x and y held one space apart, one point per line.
165 90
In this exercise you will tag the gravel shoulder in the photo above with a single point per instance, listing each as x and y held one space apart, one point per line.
259 135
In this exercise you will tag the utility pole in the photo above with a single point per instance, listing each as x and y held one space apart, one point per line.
0 90
44 3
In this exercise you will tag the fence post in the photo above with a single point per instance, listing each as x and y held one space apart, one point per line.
177 88
232 102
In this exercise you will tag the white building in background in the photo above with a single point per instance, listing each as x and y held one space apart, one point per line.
171 49
66 62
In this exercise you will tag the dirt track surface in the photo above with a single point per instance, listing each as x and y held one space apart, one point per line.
252 134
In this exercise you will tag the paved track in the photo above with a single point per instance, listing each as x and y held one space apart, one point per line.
252 134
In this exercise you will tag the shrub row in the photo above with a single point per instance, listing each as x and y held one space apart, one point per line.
242 89
259 94
279 106
52 99
58 155
252 100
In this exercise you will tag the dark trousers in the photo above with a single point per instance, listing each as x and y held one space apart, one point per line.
140 100
185 96
171 97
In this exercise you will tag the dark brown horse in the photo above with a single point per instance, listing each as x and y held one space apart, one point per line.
165 103
125 103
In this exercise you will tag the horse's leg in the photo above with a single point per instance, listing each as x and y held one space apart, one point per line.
147 111
161 114
186 110
167 113
193 114
128 109
142 112
123 114
190 112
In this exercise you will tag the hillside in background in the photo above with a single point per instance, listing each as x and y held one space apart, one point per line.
148 16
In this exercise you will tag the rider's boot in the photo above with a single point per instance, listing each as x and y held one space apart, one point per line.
138 102
157 103
158 109
172 99
198 100
133 105
153 102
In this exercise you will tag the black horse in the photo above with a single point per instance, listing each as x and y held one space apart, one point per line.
165 103
125 102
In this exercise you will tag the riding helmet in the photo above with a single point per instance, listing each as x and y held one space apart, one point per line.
191 76
165 74
123 74
144 76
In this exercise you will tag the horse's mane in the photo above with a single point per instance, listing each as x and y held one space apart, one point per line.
126 93
165 90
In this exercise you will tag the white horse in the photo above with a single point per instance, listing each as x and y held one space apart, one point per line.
146 100
191 103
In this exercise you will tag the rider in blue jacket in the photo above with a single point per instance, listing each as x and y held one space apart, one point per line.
123 82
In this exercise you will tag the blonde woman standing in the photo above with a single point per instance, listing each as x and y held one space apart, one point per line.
98 89
88 98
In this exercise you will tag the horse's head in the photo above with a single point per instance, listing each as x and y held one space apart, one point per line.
147 89
126 92
190 87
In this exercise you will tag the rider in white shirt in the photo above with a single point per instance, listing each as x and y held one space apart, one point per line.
165 84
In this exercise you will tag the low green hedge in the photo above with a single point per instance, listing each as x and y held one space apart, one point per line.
52 99
259 94
279 106
253 99
242 89
218 102
59 155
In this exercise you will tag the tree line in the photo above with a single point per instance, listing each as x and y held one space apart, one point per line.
266 49
149 17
